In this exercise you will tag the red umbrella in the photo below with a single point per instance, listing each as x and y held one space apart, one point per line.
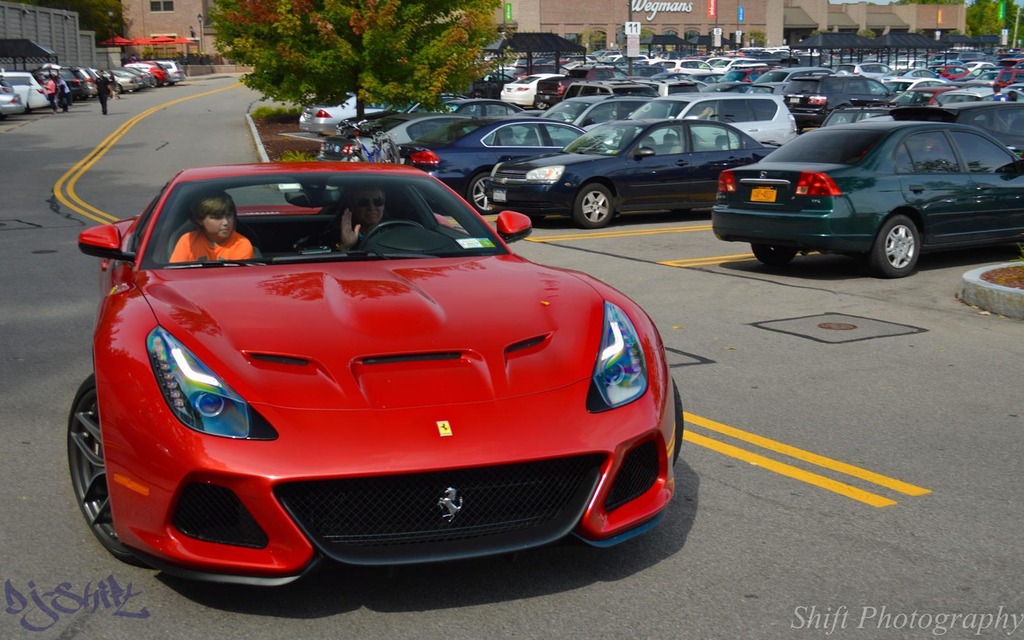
117 41
162 40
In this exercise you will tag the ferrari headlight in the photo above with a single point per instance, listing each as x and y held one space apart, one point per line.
546 174
196 395
620 375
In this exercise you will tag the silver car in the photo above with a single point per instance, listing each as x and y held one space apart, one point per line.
10 103
324 119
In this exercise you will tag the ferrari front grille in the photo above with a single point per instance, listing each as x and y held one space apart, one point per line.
638 473
443 514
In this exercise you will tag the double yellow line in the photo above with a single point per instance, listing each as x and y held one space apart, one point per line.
64 189
791 471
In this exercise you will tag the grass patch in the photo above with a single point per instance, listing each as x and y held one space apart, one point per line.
278 114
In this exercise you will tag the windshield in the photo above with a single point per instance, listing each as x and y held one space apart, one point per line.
608 139
660 109
565 111
829 146
275 218
450 132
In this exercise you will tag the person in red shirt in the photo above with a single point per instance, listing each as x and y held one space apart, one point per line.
215 237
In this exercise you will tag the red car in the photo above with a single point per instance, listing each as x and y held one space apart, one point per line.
159 73
422 396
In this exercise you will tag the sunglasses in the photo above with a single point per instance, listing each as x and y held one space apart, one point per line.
365 202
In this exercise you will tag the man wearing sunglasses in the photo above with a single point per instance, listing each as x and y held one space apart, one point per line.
363 213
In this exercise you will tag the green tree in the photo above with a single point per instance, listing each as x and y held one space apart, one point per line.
756 38
983 17
305 51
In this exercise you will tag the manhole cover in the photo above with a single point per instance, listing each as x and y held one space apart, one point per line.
834 328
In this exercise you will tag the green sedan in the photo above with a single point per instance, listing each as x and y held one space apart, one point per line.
882 191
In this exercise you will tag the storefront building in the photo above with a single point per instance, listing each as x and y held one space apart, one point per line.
783 22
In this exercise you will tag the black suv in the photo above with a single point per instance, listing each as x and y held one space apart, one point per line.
812 98
608 88
1004 120
550 91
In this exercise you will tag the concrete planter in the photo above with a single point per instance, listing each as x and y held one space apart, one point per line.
1005 301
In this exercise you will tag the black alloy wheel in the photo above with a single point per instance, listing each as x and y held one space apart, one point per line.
89 471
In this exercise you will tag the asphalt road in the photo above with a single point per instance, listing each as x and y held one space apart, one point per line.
851 468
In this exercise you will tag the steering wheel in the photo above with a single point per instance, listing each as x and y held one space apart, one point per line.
381 226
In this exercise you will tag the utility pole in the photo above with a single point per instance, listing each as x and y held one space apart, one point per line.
1016 23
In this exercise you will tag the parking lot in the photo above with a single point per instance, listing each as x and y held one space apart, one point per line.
849 468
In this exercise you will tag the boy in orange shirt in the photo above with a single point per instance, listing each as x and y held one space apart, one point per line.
215 238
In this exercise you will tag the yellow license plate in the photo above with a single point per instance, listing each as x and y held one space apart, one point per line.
762 194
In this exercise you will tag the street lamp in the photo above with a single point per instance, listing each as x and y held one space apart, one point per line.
200 19
110 19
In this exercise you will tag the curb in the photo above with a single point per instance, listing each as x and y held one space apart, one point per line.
1005 301
256 139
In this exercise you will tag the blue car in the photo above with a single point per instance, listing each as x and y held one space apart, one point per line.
625 166
461 154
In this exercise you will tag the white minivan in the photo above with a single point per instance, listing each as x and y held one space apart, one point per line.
28 89
765 117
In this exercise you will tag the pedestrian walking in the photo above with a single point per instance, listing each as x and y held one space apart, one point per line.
997 94
50 88
104 89
63 94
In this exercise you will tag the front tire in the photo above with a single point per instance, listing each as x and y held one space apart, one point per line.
773 256
679 424
89 471
896 249
594 207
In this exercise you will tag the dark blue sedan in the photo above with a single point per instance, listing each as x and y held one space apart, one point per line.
462 154
625 166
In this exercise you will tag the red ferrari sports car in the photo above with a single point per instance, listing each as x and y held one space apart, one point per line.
299 363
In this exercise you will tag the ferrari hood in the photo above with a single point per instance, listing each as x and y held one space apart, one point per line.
384 334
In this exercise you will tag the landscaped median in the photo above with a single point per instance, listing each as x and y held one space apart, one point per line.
978 292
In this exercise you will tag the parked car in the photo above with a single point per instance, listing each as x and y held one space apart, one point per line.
588 111
173 72
10 101
324 119
461 154
762 116
625 166
846 115
523 91
126 81
1003 120
967 94
28 89
481 107
146 78
899 85
609 88
241 423
744 73
88 81
400 127
490 85
883 191
74 82
153 68
875 70
921 95
1006 77
951 71
788 73
812 98
551 91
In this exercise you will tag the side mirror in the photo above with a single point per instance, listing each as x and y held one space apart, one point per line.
103 242
643 152
513 226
